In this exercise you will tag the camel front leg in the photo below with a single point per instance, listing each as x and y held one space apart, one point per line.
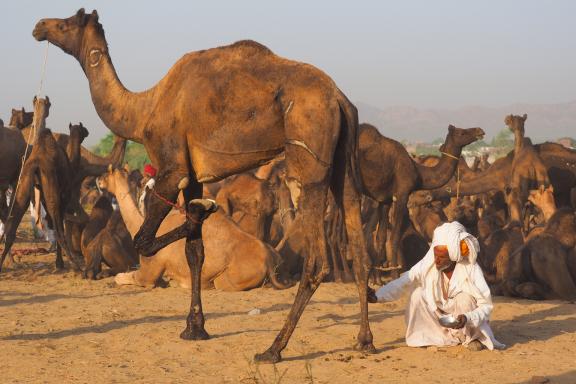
20 200
158 205
198 211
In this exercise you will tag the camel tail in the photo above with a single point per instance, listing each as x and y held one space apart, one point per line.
348 145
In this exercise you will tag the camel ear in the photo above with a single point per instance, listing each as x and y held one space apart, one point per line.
126 167
81 18
95 16
80 124
33 102
525 117
14 111
69 125
23 110
451 128
48 104
110 169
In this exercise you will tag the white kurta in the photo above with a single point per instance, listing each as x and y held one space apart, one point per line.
468 294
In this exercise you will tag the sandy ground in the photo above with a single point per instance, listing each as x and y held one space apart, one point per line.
56 327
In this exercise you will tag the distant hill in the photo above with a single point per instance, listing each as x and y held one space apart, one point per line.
545 121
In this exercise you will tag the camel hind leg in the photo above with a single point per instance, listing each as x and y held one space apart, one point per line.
311 141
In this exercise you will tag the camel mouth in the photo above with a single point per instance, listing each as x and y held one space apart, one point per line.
39 32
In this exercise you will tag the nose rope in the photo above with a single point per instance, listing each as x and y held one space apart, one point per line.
457 172
30 135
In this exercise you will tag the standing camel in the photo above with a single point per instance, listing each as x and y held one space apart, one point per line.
389 175
51 166
222 111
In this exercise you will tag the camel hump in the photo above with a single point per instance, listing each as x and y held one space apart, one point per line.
251 45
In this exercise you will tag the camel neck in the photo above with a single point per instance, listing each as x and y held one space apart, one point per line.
518 141
548 210
73 151
120 110
441 173
128 209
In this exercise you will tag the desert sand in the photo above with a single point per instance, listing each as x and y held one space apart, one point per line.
58 328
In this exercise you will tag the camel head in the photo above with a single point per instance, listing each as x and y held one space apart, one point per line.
41 107
516 123
460 137
78 131
107 181
80 35
20 118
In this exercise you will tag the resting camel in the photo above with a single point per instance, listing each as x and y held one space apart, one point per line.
249 201
389 175
545 267
220 112
105 239
52 167
235 260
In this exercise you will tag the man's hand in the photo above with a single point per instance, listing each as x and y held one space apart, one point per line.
462 320
372 295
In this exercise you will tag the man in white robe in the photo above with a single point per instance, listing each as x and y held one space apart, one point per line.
446 281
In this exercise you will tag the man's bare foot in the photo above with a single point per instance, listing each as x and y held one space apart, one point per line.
475 346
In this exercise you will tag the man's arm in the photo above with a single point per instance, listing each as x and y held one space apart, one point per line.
394 289
481 293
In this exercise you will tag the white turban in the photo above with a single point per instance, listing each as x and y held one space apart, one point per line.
450 235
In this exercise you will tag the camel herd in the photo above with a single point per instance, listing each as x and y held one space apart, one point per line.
265 176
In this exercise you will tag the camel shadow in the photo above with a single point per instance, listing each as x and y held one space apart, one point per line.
536 326
568 377
53 297
373 317
104 328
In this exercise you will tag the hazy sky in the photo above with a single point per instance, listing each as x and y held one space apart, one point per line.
419 53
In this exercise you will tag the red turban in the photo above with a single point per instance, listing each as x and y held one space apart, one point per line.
149 170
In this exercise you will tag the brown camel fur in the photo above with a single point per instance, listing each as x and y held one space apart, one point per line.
516 174
389 175
12 148
222 111
545 267
52 167
528 171
235 260
249 201
105 239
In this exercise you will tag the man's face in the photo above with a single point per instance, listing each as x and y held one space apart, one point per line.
442 258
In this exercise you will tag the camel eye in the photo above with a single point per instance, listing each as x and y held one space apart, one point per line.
61 26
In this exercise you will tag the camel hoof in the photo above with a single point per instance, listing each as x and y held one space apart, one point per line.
365 347
268 357
194 334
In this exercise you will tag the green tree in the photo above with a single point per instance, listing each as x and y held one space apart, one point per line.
136 155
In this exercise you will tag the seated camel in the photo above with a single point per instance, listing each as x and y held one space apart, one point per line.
545 267
105 239
249 201
234 259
